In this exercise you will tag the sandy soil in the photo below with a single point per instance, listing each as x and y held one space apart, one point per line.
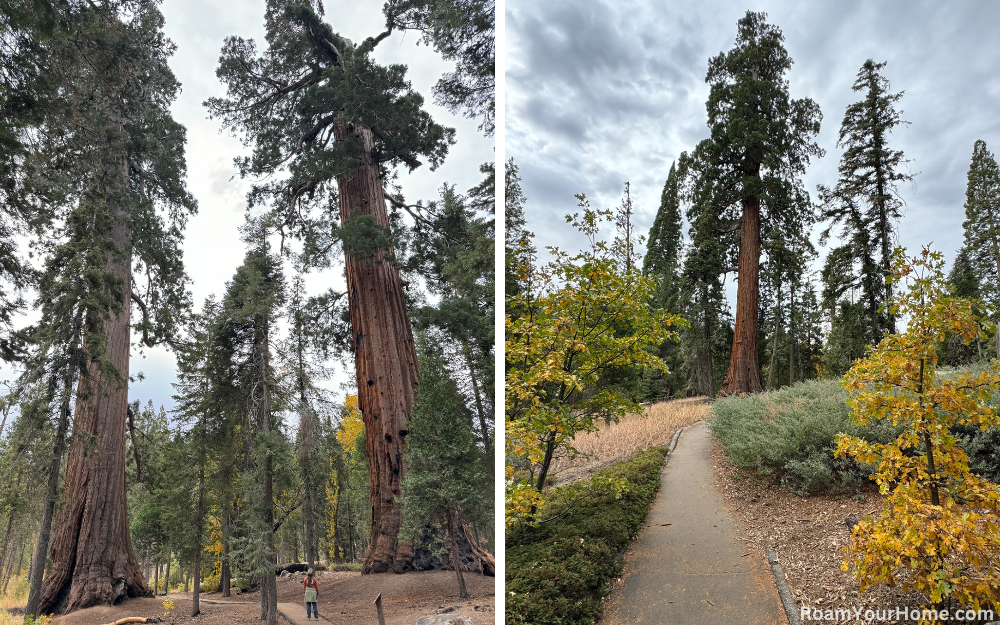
344 598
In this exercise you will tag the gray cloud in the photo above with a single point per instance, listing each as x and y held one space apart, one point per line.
598 93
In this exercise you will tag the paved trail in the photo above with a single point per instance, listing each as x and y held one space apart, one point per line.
687 566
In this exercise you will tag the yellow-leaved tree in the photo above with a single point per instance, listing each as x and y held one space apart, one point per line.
938 532
581 320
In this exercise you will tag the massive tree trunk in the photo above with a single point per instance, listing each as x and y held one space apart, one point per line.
92 552
385 359
744 373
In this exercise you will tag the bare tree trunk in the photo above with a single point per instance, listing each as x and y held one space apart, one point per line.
456 561
156 578
744 373
483 426
92 552
166 576
225 575
486 562
791 336
59 447
6 542
774 344
195 596
385 359
708 343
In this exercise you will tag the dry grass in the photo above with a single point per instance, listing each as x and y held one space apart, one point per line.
631 434
16 597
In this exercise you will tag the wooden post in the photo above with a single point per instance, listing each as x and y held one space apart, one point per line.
378 606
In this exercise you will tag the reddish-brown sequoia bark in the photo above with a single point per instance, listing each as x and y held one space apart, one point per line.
385 360
743 375
92 554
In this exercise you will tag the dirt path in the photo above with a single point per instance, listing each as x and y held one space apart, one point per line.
688 564
345 598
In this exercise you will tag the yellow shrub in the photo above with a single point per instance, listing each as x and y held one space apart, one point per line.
939 519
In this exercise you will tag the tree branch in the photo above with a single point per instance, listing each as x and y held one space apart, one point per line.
145 320
135 446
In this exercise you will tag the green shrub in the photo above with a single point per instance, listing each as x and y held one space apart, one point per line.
559 570
212 582
788 435
354 567
982 446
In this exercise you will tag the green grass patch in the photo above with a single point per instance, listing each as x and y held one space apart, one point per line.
558 571
788 435
353 567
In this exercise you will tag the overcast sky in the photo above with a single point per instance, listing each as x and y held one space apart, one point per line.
212 249
598 93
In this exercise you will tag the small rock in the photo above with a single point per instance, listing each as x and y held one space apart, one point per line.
445 619
443 610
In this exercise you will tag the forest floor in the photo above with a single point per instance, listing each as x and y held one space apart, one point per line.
344 598
808 534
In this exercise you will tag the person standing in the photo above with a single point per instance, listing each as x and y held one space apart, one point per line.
311 587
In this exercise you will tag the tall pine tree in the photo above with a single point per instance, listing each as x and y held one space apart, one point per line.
662 262
982 226
865 202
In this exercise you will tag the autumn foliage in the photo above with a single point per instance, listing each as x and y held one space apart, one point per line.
939 532
580 319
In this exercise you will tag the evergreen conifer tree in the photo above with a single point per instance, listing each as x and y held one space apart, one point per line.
112 181
244 341
864 201
461 31
316 105
704 344
663 262
982 226
761 141
447 483
455 254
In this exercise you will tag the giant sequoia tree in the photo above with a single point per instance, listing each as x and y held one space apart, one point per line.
106 175
761 140
316 106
